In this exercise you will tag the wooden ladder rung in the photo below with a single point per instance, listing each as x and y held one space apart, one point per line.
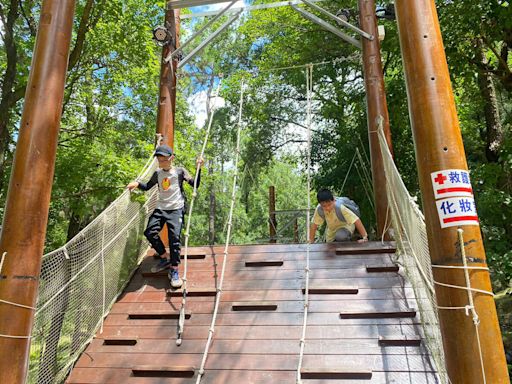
254 306
333 374
163 371
400 341
264 263
157 315
378 314
382 268
331 290
192 293
119 341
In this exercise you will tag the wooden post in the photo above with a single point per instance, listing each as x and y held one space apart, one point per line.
439 148
272 226
28 198
167 98
376 108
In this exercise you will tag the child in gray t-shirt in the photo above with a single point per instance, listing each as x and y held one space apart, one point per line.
169 210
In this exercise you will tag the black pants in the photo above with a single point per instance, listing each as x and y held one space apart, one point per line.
174 221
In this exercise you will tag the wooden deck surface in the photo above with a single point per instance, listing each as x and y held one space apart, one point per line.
362 324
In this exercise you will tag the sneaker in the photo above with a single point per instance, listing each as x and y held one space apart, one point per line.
162 265
174 277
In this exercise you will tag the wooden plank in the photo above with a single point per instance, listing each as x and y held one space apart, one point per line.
402 362
254 306
143 296
259 284
116 376
258 332
256 347
335 374
382 268
162 371
206 307
247 318
391 313
400 340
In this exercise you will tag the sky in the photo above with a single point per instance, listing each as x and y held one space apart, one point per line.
197 102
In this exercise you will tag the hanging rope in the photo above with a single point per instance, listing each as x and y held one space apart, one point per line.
228 236
309 87
470 308
181 321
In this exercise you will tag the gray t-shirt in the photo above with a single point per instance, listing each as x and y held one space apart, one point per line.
170 187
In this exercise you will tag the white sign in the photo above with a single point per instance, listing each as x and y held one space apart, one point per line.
455 211
451 182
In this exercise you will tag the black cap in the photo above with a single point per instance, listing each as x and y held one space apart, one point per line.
163 150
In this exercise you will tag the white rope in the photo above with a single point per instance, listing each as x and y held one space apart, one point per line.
103 272
181 322
228 236
471 307
4 255
309 87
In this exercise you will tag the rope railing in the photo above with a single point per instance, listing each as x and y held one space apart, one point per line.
181 321
413 254
302 343
211 330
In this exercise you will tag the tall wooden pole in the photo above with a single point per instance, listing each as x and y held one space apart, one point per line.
167 96
376 108
28 198
439 154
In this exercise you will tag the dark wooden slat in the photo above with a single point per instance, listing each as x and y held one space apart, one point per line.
162 371
156 315
333 289
254 306
382 268
119 341
362 249
335 374
400 340
191 293
386 314
264 263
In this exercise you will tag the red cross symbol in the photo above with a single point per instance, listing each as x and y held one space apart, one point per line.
440 178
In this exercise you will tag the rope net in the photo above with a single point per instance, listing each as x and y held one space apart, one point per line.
80 281
413 254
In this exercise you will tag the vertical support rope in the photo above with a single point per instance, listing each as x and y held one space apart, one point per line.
228 236
309 87
181 322
476 320
103 273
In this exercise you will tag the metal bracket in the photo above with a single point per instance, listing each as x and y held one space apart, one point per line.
327 26
339 20
209 39
177 51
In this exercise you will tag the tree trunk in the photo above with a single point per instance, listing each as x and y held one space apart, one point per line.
494 129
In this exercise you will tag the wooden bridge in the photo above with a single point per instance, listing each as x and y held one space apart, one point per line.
362 323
